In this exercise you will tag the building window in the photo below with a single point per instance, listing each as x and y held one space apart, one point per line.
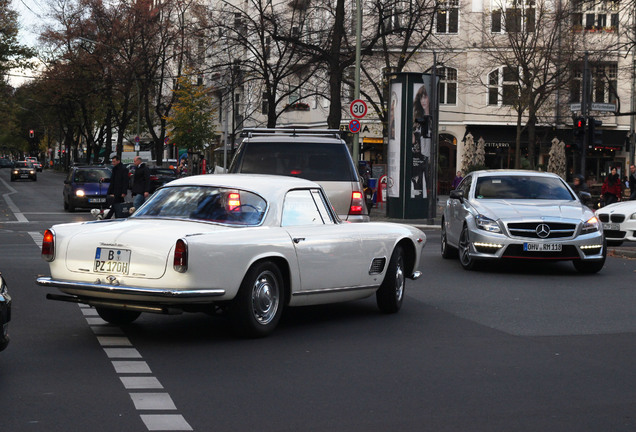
595 16
518 16
392 15
447 16
447 91
603 85
503 88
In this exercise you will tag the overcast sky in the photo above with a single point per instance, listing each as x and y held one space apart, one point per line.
31 15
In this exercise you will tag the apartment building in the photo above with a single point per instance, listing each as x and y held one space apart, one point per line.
479 47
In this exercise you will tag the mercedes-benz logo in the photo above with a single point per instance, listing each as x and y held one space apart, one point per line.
543 230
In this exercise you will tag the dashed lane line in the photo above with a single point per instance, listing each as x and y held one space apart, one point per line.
156 408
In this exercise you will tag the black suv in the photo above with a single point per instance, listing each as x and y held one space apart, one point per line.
321 156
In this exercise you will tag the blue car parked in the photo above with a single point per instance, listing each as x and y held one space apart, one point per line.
86 187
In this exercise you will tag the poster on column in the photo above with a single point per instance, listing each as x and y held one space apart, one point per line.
421 140
394 147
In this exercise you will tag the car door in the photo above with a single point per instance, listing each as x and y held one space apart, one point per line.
329 253
457 211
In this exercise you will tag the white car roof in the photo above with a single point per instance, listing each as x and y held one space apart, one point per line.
261 184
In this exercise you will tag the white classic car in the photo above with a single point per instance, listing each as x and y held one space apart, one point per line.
246 244
619 222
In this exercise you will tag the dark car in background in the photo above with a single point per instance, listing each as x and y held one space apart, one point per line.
5 314
86 187
159 176
35 162
23 170
6 163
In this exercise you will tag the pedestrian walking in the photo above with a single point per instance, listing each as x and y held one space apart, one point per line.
118 187
611 189
632 182
141 182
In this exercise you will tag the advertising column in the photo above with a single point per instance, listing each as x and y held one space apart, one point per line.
410 147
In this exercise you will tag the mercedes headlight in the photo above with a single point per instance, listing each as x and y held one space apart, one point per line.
487 224
592 225
633 216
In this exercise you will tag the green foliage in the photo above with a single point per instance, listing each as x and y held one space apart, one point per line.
191 122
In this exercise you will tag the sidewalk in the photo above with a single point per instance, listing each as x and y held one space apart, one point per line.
379 215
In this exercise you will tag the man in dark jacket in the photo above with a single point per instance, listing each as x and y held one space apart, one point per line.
141 182
118 187
632 182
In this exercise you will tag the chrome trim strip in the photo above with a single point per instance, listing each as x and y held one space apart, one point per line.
128 290
333 290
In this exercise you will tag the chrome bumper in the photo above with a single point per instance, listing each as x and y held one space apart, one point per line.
160 294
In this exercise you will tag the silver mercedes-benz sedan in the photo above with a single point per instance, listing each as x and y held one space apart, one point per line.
515 214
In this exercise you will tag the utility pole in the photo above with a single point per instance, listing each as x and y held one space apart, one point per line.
356 91
584 111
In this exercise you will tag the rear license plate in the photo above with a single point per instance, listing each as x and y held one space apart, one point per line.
542 247
611 226
112 261
97 200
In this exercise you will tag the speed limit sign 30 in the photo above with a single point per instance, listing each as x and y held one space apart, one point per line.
358 108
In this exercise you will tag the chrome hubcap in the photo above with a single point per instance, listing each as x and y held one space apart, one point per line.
399 282
265 298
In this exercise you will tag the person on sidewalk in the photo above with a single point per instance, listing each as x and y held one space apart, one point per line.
611 189
141 182
632 182
118 187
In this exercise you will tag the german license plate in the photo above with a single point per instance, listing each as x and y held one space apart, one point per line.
611 226
542 247
97 200
112 261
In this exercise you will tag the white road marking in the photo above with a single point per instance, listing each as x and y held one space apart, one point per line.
165 422
14 208
153 401
140 382
134 374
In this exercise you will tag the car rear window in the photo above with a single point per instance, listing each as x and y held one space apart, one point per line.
521 187
311 161
203 203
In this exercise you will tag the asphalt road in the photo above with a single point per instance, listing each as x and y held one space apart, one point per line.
514 347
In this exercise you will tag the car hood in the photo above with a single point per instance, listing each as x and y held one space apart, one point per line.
150 241
92 188
626 207
520 210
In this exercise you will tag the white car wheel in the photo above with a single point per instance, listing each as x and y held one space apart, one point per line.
390 295
258 305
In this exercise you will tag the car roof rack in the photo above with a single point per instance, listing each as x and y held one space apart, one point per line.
251 132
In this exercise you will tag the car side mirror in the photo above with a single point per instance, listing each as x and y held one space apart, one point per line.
585 197
457 194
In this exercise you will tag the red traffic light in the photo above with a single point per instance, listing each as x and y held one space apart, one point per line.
31 133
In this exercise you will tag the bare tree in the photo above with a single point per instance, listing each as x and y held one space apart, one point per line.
530 48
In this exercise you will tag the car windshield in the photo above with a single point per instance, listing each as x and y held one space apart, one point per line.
91 175
23 165
205 203
521 187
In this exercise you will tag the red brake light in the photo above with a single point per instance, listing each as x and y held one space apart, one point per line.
180 262
233 200
357 203
295 172
48 246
